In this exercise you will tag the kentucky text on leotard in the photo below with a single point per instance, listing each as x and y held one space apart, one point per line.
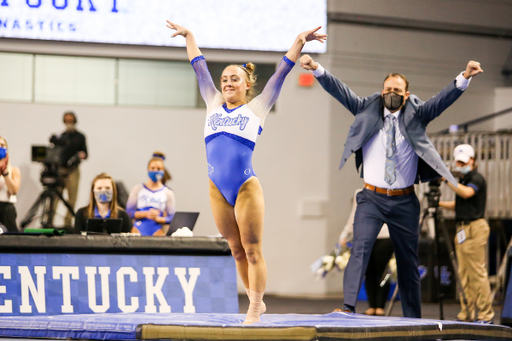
231 134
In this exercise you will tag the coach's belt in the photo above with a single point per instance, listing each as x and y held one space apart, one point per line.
390 192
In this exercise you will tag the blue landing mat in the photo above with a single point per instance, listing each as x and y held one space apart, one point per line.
176 326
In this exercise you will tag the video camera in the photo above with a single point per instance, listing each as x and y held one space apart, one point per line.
46 154
50 157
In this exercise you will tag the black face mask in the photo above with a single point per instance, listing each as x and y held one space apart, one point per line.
392 101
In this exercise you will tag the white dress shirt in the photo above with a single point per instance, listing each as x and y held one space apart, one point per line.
374 150
374 158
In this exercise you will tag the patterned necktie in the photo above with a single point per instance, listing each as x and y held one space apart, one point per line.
390 169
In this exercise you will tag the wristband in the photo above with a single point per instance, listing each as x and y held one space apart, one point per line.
6 174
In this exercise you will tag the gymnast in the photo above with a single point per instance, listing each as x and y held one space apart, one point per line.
152 204
234 119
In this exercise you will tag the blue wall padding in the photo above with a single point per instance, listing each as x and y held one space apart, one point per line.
214 291
506 314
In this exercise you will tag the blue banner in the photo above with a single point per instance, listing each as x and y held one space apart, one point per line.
50 284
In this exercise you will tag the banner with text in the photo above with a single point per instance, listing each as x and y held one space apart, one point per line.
50 284
267 25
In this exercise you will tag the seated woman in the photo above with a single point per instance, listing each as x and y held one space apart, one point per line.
102 204
152 204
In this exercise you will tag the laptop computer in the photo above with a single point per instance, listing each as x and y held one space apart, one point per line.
109 226
182 219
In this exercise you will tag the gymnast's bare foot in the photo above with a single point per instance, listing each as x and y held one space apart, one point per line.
255 307
253 314
263 308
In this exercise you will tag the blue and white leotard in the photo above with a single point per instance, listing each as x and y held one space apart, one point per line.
143 199
231 134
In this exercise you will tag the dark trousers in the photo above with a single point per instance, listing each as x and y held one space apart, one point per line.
379 259
8 216
401 214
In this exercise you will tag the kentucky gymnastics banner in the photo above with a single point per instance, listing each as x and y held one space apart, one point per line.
52 284
267 25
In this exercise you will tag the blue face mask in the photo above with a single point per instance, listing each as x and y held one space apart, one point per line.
104 196
3 153
156 175
466 169
463 170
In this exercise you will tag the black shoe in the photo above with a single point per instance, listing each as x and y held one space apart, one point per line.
346 310
484 322
349 309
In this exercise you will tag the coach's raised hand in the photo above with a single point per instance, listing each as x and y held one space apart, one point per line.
306 62
472 69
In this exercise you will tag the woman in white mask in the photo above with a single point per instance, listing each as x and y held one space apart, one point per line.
102 204
10 180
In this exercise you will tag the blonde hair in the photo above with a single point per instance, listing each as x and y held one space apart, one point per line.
250 77
159 156
92 200
9 167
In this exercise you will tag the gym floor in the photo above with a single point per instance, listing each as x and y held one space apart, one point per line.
294 305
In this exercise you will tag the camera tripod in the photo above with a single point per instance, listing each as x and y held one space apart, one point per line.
433 215
47 200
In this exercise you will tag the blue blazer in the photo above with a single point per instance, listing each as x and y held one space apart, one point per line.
413 121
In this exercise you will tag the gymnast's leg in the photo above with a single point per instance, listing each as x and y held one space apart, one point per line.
250 209
224 217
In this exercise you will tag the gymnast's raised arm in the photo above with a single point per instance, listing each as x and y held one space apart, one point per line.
192 48
206 85
310 35
262 104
